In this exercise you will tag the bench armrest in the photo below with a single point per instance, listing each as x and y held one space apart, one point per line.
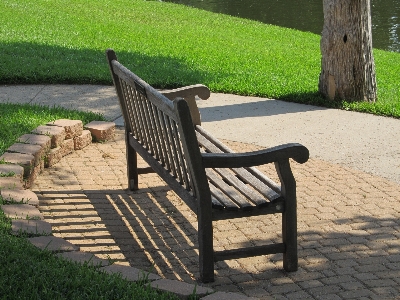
249 159
189 93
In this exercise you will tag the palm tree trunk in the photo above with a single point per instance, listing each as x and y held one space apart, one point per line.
348 68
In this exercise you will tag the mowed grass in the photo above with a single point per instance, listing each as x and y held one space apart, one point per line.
171 45
30 273
18 119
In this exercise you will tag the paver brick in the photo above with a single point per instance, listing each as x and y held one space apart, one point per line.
182 289
53 244
101 131
36 139
73 128
20 195
27 161
10 183
130 273
227 296
357 294
57 134
82 140
21 211
84 257
32 227
12 170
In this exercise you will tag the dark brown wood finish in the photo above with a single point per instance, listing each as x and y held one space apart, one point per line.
216 183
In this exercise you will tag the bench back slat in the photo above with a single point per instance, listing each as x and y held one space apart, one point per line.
172 147
181 162
153 122
166 144
146 121
163 103
153 125
131 109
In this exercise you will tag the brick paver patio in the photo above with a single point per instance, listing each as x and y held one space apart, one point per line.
348 227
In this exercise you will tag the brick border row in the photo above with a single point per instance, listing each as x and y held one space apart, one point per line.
43 148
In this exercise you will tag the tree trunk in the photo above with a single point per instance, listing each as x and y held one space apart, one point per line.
348 68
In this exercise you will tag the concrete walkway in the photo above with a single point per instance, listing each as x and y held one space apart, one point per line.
348 206
361 141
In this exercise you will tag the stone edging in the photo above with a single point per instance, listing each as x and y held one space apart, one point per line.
44 147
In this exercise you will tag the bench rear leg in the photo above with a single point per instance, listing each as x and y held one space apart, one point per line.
131 163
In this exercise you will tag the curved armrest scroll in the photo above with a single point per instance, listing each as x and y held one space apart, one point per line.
249 159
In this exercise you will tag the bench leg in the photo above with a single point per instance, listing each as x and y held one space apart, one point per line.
206 259
289 216
206 247
131 163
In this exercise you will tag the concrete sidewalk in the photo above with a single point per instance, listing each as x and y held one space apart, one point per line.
348 207
361 141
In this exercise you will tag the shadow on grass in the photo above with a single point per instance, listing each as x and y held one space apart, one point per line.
30 63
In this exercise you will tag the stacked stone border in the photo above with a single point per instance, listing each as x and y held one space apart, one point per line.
42 148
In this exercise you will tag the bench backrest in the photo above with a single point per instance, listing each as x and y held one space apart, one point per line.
163 127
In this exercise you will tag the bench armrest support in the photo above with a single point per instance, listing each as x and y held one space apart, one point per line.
189 93
249 159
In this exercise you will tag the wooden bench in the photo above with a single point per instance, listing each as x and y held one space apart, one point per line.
164 129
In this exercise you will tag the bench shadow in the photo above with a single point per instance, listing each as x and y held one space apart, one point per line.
348 228
143 228
252 107
152 234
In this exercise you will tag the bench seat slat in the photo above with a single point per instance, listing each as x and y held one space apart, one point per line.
245 175
251 194
256 184
225 201
228 190
225 149
216 205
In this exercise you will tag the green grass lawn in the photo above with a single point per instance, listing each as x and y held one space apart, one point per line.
171 45
18 119
29 273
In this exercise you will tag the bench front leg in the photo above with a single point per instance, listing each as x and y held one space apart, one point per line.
289 216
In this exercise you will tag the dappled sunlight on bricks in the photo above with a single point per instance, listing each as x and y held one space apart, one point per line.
74 219
348 227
